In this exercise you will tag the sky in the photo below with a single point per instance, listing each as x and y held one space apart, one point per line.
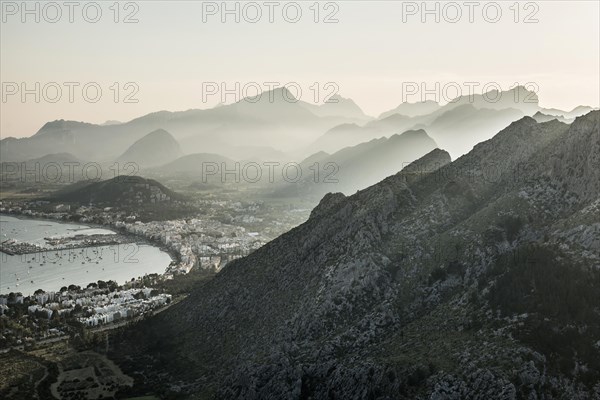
138 57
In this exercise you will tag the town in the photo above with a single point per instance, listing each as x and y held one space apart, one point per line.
47 316
208 237
201 242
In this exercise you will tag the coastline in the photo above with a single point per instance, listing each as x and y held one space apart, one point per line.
141 240
137 239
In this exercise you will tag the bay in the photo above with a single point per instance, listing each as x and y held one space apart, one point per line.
52 269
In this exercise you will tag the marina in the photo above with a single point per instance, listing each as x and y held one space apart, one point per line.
67 256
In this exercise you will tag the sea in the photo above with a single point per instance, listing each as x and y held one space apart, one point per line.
52 269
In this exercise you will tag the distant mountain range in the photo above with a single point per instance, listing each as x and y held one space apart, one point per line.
477 278
457 126
276 119
413 109
357 167
276 126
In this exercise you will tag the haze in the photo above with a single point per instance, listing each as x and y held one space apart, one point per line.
170 52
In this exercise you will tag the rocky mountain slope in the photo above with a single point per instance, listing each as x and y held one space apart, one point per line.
472 279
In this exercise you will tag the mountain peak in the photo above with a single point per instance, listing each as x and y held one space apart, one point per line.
413 109
277 95
157 133
429 163
61 125
327 203
156 148
413 133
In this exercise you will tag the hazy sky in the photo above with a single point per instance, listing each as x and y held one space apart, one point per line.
371 53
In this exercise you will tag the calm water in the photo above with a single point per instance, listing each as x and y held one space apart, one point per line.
50 270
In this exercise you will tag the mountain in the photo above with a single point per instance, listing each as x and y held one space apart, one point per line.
112 122
156 148
51 169
193 164
54 158
343 135
274 119
351 134
541 117
519 98
277 119
477 278
579 111
275 122
455 128
319 156
357 167
460 128
413 109
576 112
338 106
118 191
53 137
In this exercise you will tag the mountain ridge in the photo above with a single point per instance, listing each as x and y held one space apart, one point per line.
395 290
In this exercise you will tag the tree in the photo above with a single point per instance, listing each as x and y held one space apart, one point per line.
112 285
